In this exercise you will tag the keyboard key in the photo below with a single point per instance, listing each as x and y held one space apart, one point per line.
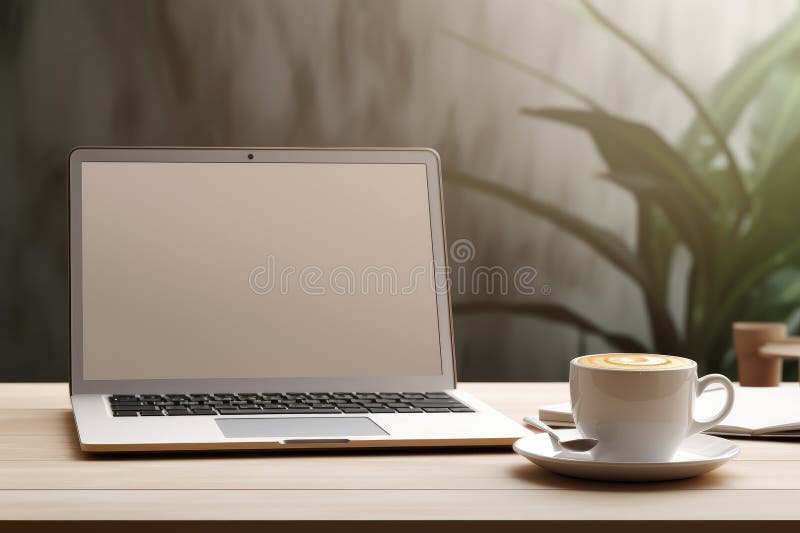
435 403
437 395
125 413
461 410
122 397
204 411
397 405
178 412
380 410
412 395
438 406
437 410
151 413
300 411
132 407
435 406
224 411
409 410
349 410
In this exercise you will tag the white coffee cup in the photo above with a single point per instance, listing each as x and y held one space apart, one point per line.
642 410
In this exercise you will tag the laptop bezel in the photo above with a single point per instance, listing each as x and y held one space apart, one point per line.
426 156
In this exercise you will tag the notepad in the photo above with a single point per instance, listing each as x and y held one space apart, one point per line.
757 412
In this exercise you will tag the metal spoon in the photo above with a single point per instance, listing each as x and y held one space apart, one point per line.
573 445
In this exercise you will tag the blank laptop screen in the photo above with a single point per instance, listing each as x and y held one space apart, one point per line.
257 270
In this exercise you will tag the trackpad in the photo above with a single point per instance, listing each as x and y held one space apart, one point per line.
293 427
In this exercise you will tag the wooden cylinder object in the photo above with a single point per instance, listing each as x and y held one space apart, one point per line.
783 349
748 338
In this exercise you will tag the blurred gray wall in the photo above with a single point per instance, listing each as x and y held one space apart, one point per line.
340 73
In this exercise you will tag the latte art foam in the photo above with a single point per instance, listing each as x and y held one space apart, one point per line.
634 361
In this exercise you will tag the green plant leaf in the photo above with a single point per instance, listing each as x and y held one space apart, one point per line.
770 244
732 302
733 93
776 115
773 232
603 242
690 221
657 240
776 297
777 219
525 68
574 9
555 312
703 115
633 149
654 247
643 163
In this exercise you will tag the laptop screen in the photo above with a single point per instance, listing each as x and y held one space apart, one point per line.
257 270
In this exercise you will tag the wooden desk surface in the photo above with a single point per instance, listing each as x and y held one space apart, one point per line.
43 475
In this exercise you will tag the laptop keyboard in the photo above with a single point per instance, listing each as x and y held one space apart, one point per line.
290 403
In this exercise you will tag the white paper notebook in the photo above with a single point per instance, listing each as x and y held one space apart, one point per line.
757 412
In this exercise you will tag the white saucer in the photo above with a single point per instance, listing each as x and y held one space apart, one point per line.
697 455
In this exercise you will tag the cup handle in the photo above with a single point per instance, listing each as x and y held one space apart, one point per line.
702 384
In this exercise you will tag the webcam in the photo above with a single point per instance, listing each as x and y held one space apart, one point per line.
249 156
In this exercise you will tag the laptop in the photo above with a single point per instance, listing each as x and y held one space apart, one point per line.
260 298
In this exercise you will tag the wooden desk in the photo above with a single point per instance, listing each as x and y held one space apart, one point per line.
43 475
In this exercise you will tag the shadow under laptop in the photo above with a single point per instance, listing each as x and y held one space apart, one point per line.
317 453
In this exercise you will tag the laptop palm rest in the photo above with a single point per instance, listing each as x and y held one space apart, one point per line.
293 427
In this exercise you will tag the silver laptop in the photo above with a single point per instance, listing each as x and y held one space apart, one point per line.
252 298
